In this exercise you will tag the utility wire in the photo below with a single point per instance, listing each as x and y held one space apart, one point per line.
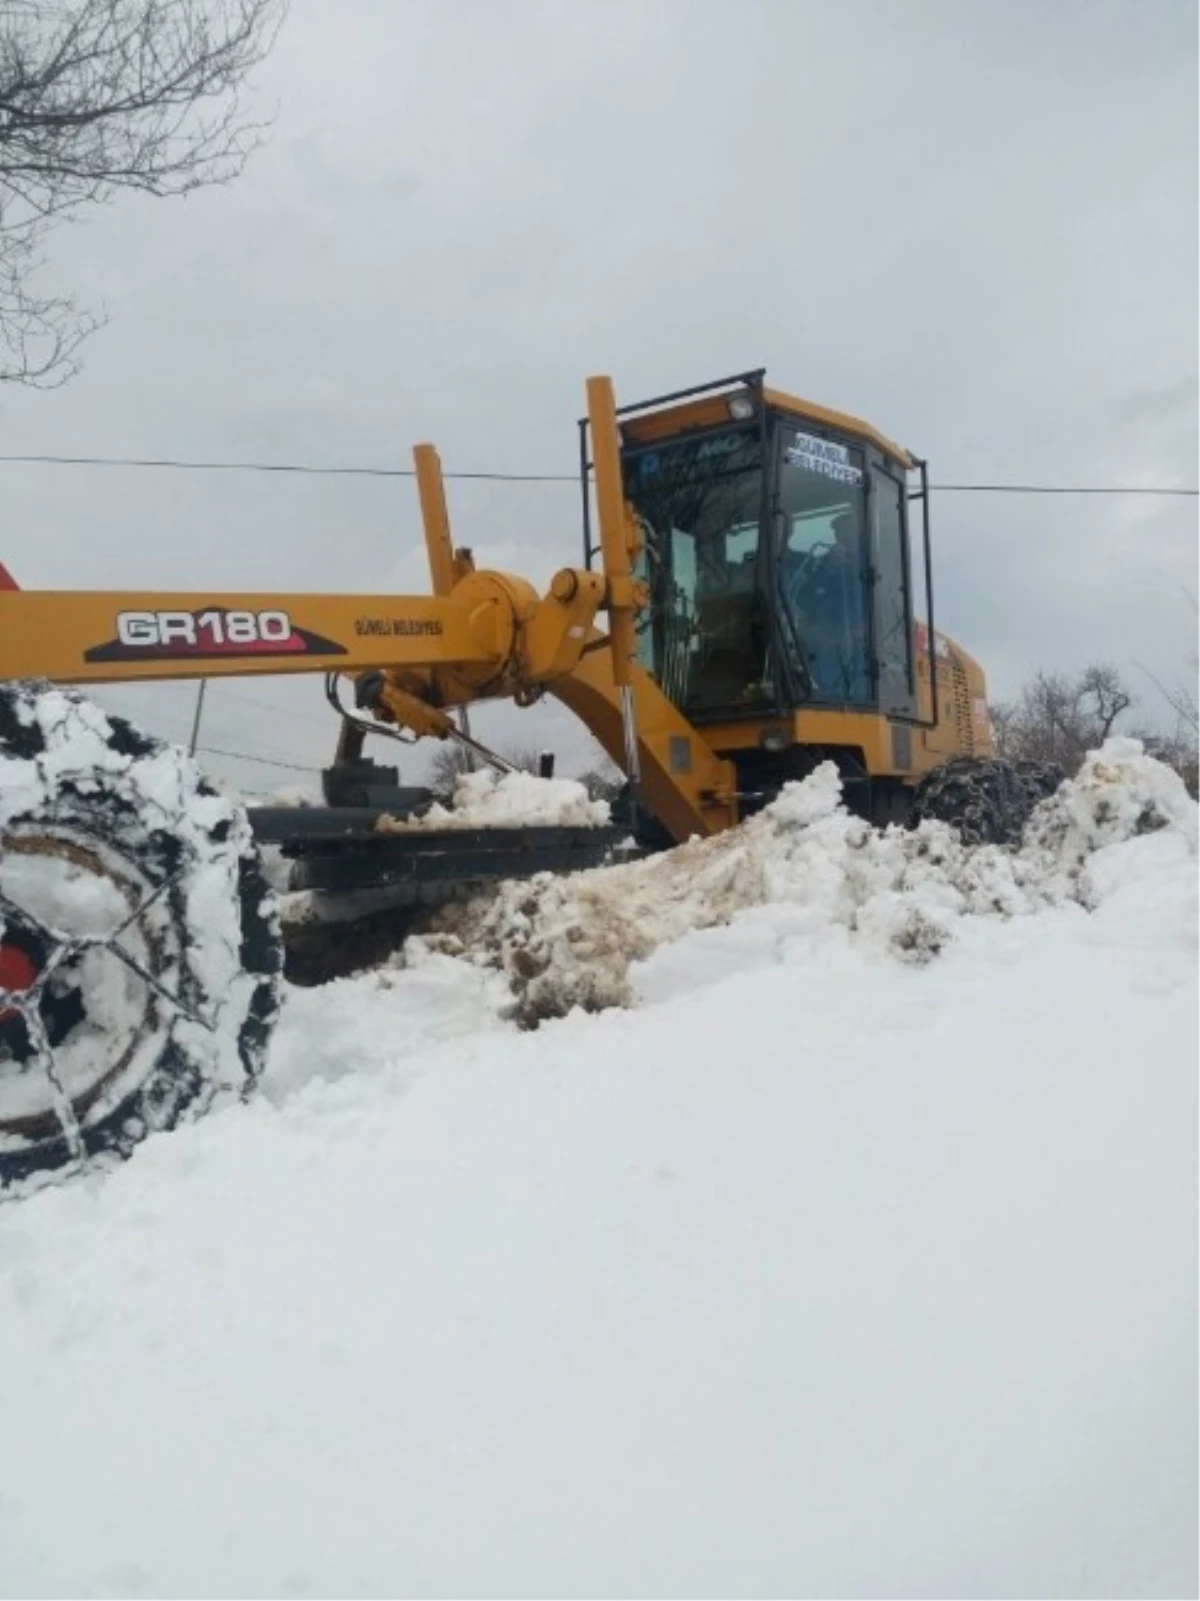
178 736
281 467
266 705
263 761
1060 489
180 465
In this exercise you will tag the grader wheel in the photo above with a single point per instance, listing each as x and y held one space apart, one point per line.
140 956
986 800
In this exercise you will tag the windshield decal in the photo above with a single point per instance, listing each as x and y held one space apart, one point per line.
823 456
715 455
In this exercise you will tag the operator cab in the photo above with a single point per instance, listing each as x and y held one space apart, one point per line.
775 551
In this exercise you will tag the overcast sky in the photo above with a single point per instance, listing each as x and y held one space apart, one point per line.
973 223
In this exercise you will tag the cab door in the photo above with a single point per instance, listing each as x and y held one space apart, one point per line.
891 588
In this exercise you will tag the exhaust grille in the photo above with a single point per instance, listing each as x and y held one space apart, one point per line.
961 697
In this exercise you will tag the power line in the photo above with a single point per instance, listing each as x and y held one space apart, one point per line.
308 470
280 467
178 735
266 705
1060 489
263 761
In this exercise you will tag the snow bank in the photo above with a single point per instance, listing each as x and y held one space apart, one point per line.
512 800
826 1271
576 941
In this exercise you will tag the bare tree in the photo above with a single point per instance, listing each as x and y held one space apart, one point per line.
1183 702
1177 750
1181 697
1059 718
451 760
446 766
1181 748
1101 698
604 780
100 96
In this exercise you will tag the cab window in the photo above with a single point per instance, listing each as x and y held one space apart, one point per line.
823 566
893 631
699 503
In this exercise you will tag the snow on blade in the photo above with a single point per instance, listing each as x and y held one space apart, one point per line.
512 800
576 941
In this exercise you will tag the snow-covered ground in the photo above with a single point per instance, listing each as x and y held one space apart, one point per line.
854 1255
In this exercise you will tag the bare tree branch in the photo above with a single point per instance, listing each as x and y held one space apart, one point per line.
100 96
1059 719
1109 697
451 761
1181 698
1181 748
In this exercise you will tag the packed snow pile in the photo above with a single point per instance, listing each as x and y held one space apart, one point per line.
486 799
575 941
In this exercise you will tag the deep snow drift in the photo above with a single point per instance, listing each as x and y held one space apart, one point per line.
855 1255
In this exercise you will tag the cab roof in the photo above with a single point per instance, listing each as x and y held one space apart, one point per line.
710 410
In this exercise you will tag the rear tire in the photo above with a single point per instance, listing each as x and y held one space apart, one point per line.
140 956
985 799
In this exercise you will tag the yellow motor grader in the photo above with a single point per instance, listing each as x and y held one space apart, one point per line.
751 602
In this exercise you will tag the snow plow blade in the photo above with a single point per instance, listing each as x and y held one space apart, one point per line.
356 891
343 848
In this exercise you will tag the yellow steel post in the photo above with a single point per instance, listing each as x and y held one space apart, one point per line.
621 594
436 518
443 570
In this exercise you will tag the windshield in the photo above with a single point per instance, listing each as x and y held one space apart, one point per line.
699 502
823 563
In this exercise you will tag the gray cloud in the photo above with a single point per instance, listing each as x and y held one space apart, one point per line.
975 225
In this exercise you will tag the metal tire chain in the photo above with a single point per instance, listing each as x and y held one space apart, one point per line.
27 1002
